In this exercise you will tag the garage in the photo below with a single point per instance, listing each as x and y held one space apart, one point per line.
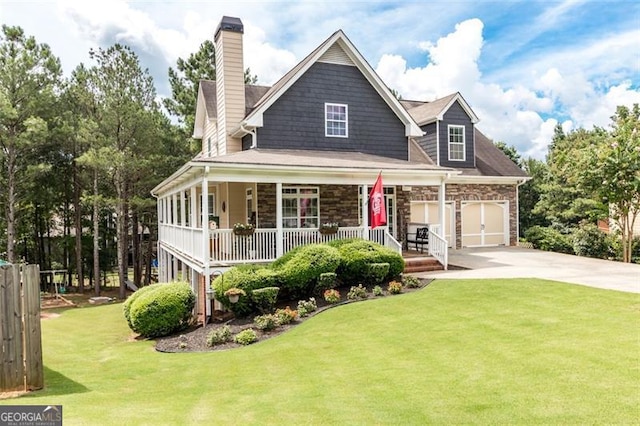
485 223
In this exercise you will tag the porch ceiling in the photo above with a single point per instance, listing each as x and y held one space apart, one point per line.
304 167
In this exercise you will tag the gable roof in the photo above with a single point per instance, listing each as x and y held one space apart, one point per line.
491 161
328 48
427 112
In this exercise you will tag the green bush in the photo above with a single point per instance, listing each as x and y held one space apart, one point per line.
265 298
286 315
376 272
301 272
266 322
377 291
162 311
247 278
549 239
590 241
246 337
358 254
326 281
219 336
339 243
410 281
126 306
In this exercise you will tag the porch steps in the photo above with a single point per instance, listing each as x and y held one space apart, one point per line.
421 264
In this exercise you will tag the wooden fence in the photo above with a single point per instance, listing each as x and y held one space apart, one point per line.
21 366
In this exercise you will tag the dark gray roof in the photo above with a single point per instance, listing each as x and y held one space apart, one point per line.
252 94
491 161
424 112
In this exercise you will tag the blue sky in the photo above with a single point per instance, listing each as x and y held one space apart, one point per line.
523 66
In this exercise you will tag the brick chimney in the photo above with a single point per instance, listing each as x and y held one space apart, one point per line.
229 83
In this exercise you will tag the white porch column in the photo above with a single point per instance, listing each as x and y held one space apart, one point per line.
174 206
193 221
441 204
206 252
183 211
365 212
279 231
174 275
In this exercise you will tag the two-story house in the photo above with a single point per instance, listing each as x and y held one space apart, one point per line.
302 152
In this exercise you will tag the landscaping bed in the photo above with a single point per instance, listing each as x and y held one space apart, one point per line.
194 339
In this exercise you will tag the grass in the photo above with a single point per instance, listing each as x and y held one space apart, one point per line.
519 351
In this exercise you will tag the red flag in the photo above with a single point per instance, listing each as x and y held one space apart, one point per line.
377 210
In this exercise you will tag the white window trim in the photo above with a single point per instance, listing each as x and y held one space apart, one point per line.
297 196
346 122
449 143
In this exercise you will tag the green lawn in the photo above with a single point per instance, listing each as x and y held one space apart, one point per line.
518 351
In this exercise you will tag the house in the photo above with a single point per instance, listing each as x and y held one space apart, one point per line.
302 152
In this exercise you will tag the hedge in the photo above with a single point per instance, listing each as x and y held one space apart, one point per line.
163 310
299 275
126 306
358 254
247 278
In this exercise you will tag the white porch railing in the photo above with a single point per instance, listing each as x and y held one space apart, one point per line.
185 240
438 246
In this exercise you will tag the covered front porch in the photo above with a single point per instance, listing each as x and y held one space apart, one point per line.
286 199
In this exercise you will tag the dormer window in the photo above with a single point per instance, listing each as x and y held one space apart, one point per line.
456 143
336 120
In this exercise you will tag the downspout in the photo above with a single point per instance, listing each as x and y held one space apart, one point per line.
254 136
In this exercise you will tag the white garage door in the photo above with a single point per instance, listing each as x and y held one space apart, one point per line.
427 212
485 223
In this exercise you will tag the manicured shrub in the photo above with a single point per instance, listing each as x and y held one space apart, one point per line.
219 336
376 272
410 281
326 281
332 296
162 311
590 241
339 243
305 307
377 291
359 254
265 298
286 315
549 239
126 306
266 322
246 337
301 272
247 278
394 287
356 293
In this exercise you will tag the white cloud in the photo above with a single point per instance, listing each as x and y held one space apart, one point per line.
518 114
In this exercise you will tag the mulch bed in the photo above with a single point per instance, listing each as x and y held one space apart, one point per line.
194 339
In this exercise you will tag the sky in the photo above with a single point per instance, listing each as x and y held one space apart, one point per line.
522 66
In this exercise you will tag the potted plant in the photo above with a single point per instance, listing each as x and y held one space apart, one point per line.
329 228
234 294
243 229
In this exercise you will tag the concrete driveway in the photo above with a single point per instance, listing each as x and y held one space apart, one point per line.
517 262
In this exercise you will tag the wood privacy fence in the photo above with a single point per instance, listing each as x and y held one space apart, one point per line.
21 356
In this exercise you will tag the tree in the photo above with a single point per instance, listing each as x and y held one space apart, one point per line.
510 151
125 97
29 73
529 194
610 168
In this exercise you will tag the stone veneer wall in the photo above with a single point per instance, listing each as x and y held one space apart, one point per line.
338 203
467 192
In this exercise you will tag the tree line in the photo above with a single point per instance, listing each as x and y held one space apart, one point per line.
79 156
589 177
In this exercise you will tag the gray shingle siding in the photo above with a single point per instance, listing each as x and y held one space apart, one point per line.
428 141
296 119
456 115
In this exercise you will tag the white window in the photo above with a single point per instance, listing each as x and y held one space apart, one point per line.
336 118
456 143
300 207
